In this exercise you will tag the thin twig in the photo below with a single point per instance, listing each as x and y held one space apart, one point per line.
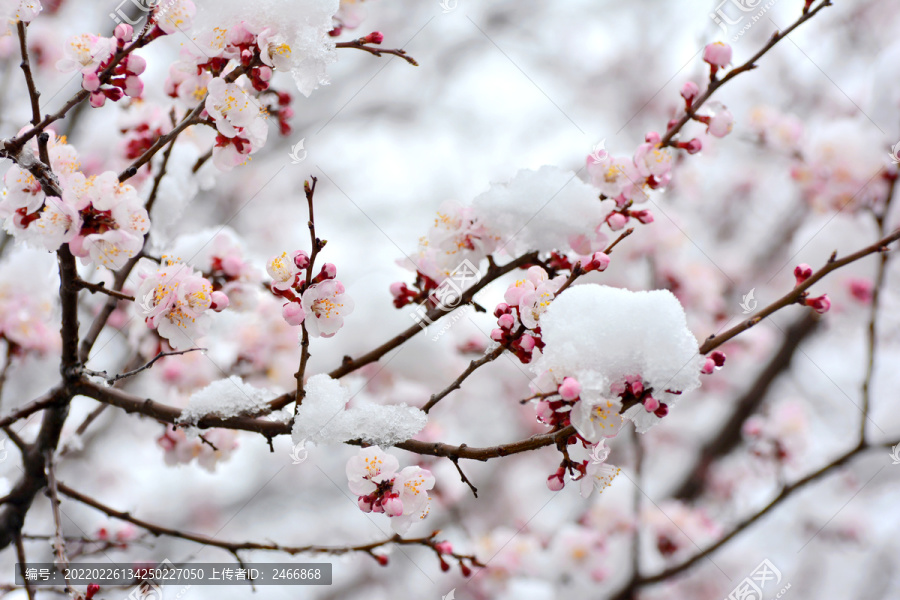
23 566
100 287
33 94
361 44
59 542
143 367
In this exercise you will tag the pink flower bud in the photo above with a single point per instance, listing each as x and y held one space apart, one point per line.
693 147
662 411
124 32
555 483
444 547
365 504
721 124
652 137
861 289
717 54
397 288
651 404
497 335
219 301
301 259
599 262
708 367
502 308
135 65
506 321
690 91
382 560
644 216
329 271
820 304
718 357
232 266
90 82
393 506
570 388
802 272
376 37
637 387
616 221
293 313
526 343
97 99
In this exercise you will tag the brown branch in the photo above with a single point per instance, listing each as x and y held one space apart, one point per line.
235 547
473 366
19 142
23 565
143 367
715 84
729 434
100 287
192 118
796 295
315 246
360 44
59 542
33 94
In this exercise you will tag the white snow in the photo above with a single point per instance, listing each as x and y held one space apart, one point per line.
304 24
226 398
540 210
600 335
323 417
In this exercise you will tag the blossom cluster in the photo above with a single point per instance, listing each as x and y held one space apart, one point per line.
102 220
373 476
321 302
174 299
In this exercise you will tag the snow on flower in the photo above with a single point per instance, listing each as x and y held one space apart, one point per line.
619 344
323 417
540 210
174 299
372 475
325 305
296 40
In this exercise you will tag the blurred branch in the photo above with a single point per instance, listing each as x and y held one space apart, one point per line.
715 84
235 547
872 339
785 493
797 295
729 435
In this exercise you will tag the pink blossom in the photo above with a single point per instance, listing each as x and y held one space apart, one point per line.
533 295
717 54
820 304
570 388
293 313
326 304
802 272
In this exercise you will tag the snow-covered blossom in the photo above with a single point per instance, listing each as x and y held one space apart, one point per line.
325 305
619 344
230 106
372 475
175 15
540 210
533 294
457 235
173 299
